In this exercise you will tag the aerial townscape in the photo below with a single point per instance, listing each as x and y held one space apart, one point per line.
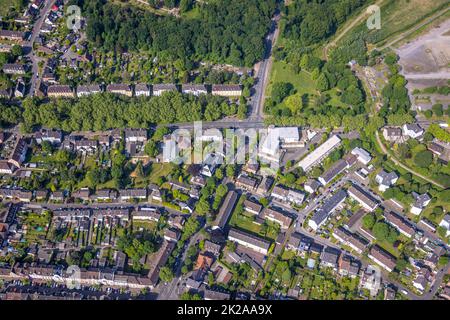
342 193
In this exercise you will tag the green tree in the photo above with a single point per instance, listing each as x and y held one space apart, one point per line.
166 274
423 159
369 221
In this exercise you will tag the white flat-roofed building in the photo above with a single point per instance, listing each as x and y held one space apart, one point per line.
277 138
315 157
362 155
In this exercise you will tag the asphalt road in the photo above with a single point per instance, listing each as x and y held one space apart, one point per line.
258 91
31 54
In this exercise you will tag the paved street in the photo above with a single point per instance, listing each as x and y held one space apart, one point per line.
258 94
29 46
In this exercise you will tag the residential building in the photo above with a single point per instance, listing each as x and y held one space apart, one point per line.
436 148
389 293
363 197
41 195
159 89
315 157
159 261
329 258
355 242
252 207
225 210
50 135
210 164
422 200
82 194
129 194
57 196
251 168
299 243
146 214
11 35
336 169
14 68
392 134
247 183
19 91
386 180
199 181
445 223
172 235
136 135
363 156
321 215
412 130
277 217
141 89
216 295
284 194
6 167
60 91
212 247
382 258
227 90
400 223
195 89
422 279
311 186
249 240
19 153
348 267
265 185
105 195
88 90
123 89
18 194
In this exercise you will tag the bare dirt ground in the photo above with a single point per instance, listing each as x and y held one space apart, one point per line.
428 56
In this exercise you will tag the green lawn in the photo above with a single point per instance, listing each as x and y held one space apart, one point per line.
398 16
245 222
6 5
159 170
283 72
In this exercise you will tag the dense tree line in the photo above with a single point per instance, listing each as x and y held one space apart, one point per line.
311 22
226 31
106 111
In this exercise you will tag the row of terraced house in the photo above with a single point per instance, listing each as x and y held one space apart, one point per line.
65 91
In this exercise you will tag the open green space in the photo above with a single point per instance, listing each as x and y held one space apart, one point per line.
246 223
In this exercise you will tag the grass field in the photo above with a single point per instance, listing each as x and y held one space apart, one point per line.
302 83
398 16
7 5
244 222
159 170
283 72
